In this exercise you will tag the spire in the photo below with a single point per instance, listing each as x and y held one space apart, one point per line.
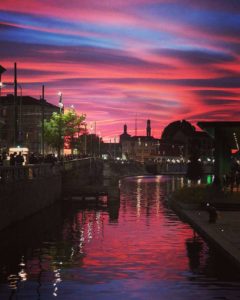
136 129
148 128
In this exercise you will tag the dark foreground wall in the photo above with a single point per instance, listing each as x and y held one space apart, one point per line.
26 190
27 195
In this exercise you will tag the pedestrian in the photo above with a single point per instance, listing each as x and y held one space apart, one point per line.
32 159
19 159
213 215
12 159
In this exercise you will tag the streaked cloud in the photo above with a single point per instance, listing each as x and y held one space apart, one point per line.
160 59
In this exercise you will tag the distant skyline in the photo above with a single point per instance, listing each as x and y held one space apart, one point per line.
163 60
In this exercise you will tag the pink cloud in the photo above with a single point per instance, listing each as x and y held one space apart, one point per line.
110 85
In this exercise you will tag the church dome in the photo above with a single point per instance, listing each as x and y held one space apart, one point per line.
171 129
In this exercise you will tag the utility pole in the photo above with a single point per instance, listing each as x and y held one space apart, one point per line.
15 140
61 111
85 139
114 149
136 129
43 117
99 144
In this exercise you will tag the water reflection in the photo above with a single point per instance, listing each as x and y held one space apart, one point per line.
194 247
135 249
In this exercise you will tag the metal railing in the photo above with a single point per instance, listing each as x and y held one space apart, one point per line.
29 172
180 168
76 163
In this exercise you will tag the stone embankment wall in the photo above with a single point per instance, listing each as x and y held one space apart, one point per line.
119 169
26 190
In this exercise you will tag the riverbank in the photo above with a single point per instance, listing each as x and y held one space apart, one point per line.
223 234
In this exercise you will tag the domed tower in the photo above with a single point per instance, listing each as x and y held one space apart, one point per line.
178 137
184 126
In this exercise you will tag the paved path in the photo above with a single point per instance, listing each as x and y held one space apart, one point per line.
224 234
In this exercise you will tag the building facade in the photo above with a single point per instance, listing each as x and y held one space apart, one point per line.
179 141
21 123
139 148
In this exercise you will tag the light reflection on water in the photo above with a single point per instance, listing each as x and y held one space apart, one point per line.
136 250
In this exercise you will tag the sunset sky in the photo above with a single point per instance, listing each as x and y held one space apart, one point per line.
116 60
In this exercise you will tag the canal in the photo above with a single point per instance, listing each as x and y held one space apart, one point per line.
138 249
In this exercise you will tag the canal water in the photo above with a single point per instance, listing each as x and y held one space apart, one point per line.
136 249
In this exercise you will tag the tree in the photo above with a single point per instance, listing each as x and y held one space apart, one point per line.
63 128
74 127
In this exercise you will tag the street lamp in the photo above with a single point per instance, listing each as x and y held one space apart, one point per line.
60 103
20 116
91 135
85 137
114 149
61 107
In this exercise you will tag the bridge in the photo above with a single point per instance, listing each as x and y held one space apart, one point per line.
97 177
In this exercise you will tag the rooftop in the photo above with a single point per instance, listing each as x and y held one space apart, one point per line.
25 100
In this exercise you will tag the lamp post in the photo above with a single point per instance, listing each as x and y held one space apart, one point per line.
114 149
99 144
42 119
60 103
20 117
61 108
85 138
91 129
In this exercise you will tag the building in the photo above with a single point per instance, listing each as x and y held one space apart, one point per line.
140 148
111 150
226 136
93 145
27 124
181 139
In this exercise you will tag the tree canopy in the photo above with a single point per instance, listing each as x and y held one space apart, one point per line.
64 129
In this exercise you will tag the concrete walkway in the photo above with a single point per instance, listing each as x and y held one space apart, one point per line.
224 234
